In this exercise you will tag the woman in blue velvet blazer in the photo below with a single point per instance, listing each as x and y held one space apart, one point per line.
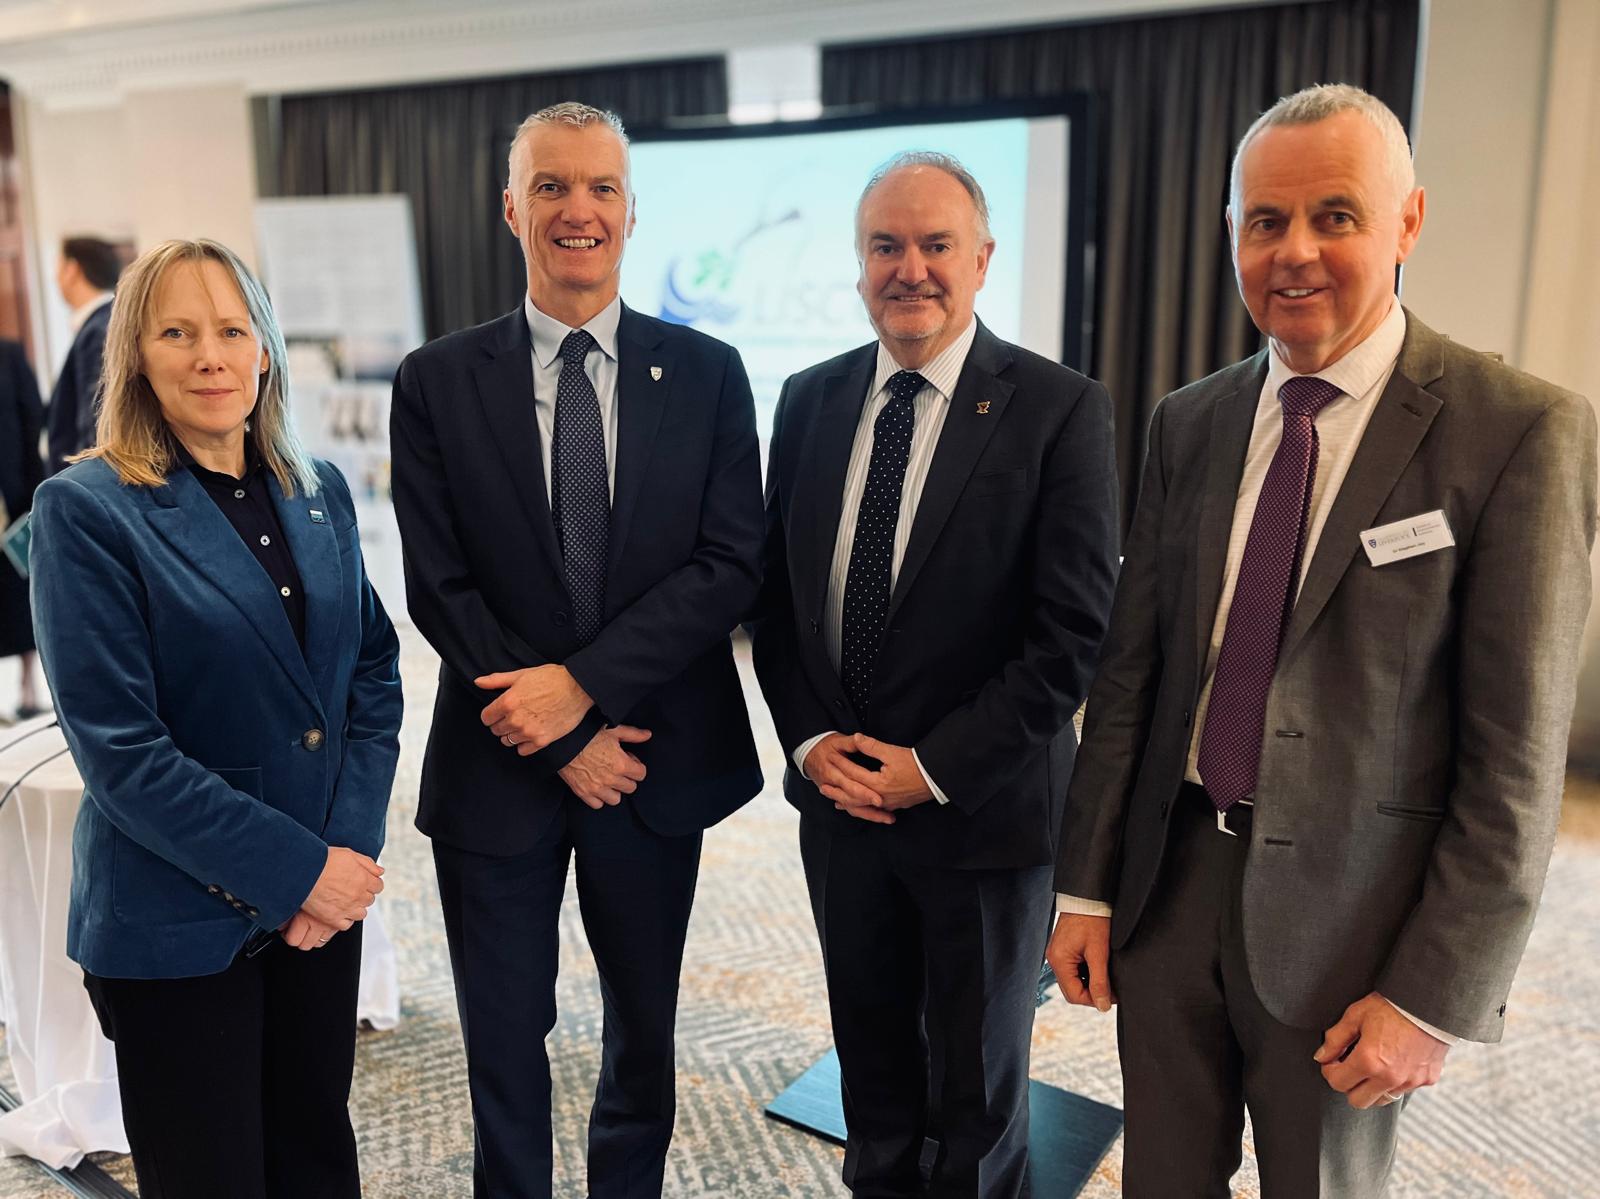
227 681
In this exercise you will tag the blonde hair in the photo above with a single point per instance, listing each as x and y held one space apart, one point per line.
131 434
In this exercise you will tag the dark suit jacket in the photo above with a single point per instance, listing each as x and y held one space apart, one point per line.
998 609
187 703
20 415
1415 735
486 585
72 414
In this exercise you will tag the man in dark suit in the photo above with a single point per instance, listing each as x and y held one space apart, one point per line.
941 552
578 490
86 275
1322 763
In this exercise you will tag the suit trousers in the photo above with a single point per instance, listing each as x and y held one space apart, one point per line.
932 979
238 1083
502 919
1198 1048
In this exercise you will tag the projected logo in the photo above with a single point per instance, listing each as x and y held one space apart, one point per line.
700 287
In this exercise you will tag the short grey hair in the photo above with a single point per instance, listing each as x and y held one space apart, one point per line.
1318 103
949 164
571 113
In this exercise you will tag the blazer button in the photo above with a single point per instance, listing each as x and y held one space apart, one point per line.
252 912
560 618
228 897
1163 812
213 889
813 626
312 739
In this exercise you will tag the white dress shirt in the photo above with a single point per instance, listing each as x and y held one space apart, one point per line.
931 404
1361 375
600 366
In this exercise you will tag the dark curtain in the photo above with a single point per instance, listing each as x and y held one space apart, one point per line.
444 145
1171 97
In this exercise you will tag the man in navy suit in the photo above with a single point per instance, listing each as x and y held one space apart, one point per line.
942 538
579 496
86 275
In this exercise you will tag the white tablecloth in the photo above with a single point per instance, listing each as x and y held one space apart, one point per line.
65 1069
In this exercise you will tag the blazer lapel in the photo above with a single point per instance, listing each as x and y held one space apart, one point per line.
644 388
1233 414
505 390
976 409
1401 420
314 545
187 519
832 435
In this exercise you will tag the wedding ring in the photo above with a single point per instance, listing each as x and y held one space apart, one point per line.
324 941
506 739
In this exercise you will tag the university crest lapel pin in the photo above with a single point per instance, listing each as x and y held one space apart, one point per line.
983 407
655 373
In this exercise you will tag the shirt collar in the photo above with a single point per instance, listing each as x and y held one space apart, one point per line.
1359 370
252 464
549 333
78 315
941 371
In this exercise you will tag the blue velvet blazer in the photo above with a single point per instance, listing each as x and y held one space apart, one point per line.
219 761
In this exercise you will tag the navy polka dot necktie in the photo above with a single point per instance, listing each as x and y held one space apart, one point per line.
580 497
1263 597
866 588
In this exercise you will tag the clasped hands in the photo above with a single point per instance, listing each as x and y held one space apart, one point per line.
345 889
1372 1056
870 795
541 704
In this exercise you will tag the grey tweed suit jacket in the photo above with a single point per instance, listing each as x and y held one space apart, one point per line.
1415 736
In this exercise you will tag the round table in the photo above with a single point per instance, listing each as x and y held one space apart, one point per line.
66 1071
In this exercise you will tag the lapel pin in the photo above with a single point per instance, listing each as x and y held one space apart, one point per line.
983 407
317 518
655 373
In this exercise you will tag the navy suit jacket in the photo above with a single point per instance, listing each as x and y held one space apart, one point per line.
997 613
219 760
485 582
71 419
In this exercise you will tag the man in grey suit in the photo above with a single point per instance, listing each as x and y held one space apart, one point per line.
1322 765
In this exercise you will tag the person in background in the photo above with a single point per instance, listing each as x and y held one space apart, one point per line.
227 681
1323 756
923 658
20 471
86 275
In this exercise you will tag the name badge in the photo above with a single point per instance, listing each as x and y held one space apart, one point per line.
1408 538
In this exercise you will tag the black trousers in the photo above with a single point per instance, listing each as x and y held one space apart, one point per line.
1198 1047
502 919
238 1084
932 977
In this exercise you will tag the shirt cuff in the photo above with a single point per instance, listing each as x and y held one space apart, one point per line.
928 778
1072 905
804 750
1438 1034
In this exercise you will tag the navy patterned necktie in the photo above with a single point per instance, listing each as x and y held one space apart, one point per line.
866 588
580 497
1263 597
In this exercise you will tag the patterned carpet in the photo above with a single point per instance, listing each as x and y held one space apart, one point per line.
1518 1120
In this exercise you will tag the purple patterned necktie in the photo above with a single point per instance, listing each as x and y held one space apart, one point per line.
1263 597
